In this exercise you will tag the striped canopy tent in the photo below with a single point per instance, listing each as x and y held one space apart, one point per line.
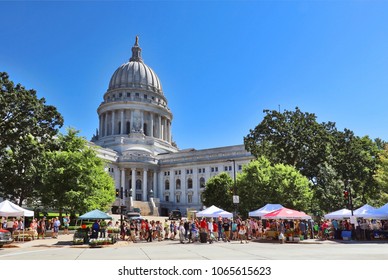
265 210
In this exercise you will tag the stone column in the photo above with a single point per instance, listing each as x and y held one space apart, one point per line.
133 182
172 186
160 193
122 123
145 189
106 124
152 124
113 122
195 186
100 127
160 127
155 183
122 186
130 128
142 122
169 132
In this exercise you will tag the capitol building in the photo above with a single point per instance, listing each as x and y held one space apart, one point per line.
135 138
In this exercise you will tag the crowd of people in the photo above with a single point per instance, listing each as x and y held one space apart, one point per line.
38 227
184 230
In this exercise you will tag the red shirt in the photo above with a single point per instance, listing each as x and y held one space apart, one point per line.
204 224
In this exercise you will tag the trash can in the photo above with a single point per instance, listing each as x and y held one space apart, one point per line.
203 237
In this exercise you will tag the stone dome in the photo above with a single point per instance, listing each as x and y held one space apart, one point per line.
135 74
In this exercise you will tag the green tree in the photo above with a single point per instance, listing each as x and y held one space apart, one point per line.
75 179
327 191
355 160
219 192
292 137
381 176
27 127
261 182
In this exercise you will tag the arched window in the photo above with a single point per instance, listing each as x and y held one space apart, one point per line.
202 182
167 185
128 127
178 184
138 184
189 183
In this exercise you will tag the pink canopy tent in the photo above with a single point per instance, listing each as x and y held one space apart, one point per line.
287 214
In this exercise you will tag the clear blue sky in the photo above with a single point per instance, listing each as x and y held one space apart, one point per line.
220 63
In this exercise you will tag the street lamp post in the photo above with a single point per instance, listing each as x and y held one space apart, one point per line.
235 196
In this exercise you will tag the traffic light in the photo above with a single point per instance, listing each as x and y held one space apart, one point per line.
117 193
346 194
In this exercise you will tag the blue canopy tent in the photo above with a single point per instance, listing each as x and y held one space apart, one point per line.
95 215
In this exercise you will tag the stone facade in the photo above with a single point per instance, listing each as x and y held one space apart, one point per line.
135 137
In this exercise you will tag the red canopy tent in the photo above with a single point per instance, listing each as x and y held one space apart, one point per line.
285 213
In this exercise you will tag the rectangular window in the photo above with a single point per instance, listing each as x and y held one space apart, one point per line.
212 169
128 94
137 94
199 170
203 170
216 169
225 168
145 96
240 167
167 198
187 171
120 94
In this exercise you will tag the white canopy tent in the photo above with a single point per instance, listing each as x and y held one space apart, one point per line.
339 214
268 208
214 212
9 209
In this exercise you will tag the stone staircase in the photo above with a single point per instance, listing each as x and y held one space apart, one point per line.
146 208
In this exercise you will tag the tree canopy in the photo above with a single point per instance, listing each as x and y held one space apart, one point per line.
330 159
219 192
261 182
27 127
75 179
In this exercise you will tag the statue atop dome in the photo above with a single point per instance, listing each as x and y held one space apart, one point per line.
136 51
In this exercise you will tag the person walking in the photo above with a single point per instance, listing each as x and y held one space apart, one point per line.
226 228
66 224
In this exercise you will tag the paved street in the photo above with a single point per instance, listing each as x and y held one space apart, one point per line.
62 249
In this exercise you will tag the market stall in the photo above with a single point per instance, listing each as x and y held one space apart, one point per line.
84 235
292 234
9 209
